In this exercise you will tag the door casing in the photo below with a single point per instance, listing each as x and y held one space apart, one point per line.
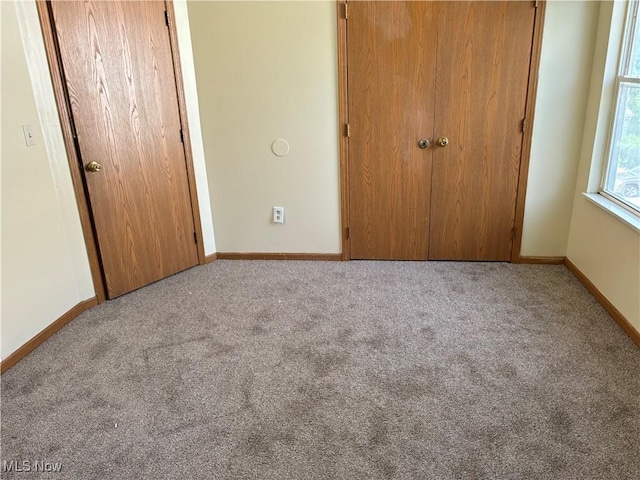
75 165
74 161
536 48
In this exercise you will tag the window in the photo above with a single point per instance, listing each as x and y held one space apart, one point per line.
621 179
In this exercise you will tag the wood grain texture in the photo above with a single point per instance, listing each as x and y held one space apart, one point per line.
122 88
48 332
619 318
482 76
184 122
536 51
333 257
64 114
343 116
391 65
541 260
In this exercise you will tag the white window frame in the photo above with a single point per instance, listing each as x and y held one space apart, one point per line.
631 23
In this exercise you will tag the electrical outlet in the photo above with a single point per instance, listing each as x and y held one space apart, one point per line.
278 214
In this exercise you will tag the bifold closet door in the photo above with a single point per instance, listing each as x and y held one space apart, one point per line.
484 52
391 80
453 74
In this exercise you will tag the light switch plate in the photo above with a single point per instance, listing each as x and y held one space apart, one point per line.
28 135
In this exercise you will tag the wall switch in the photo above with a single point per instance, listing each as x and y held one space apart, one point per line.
278 214
28 135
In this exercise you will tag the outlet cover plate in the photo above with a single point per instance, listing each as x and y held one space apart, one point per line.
278 214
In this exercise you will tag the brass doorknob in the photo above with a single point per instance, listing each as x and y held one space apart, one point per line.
443 141
424 143
93 167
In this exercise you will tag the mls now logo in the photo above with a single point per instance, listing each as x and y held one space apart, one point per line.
28 466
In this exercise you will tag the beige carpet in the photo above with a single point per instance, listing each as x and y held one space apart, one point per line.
323 370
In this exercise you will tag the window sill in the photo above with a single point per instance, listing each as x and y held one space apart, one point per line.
608 206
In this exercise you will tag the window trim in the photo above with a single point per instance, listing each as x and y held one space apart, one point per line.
622 69
613 208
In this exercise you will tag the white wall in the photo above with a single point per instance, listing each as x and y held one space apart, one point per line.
195 129
45 271
603 247
268 70
563 87
258 67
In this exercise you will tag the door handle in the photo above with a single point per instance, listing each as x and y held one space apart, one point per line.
93 167
443 141
424 143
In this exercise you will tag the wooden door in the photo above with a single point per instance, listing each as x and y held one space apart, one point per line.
484 51
391 82
435 69
121 84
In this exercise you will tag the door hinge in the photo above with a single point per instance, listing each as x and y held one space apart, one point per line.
72 124
195 237
166 17
513 234
347 233
535 4
181 136
346 11
348 131
524 125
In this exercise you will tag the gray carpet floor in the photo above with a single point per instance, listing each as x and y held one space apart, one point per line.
323 370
